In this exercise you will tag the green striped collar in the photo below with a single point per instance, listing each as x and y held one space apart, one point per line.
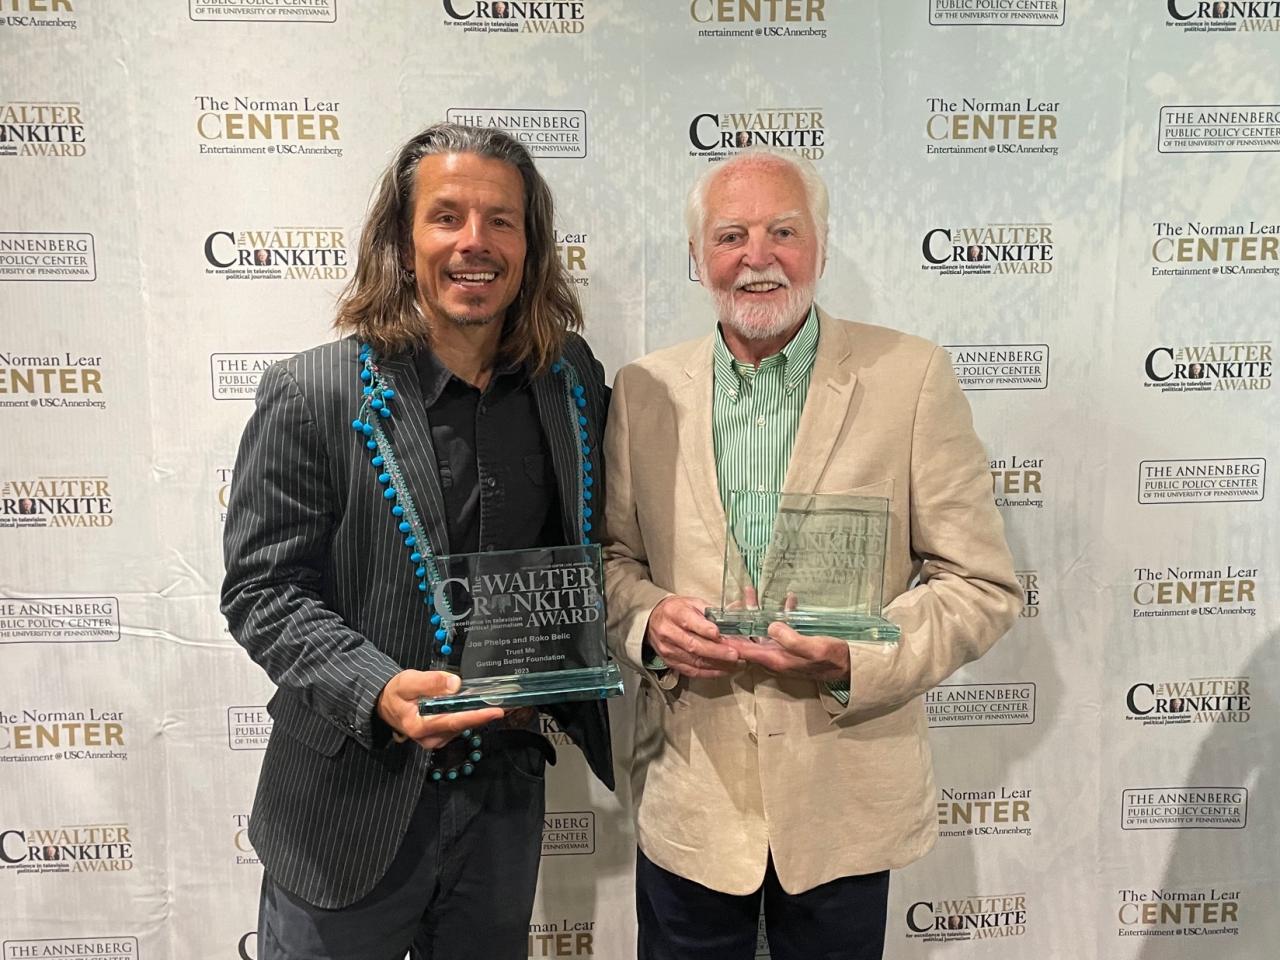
796 358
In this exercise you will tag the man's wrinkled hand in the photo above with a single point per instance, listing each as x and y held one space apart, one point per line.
687 641
398 706
795 655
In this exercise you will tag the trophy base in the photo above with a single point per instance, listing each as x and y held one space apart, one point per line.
853 627
528 689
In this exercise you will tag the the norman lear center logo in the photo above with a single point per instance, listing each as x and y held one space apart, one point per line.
1007 366
36 14
1018 481
998 13
59 620
305 127
56 502
971 125
1226 480
515 16
47 256
1198 700
572 249
264 11
968 918
1001 812
716 136
277 253
248 728
245 855
1184 808
1229 128
235 376
37 128
1212 366
60 735
1178 913
992 249
82 848
1215 249
100 948
766 19
1199 16
562 938
51 380
544 133
568 833
980 704
1179 591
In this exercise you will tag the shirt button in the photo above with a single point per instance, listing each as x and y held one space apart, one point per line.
760 488
760 420
490 482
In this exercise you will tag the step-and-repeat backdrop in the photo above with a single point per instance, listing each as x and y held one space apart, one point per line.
1081 200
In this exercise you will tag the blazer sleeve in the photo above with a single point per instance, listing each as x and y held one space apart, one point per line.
630 595
279 531
967 596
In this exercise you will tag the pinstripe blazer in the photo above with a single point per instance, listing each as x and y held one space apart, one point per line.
319 590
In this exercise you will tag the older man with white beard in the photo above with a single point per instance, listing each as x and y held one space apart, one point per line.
787 778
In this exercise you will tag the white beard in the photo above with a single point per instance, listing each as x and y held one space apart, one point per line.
760 321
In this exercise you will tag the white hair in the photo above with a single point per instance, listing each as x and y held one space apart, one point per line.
815 192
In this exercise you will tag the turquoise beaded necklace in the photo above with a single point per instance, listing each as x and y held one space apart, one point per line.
375 409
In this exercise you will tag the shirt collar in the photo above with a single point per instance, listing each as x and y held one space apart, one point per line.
434 376
797 358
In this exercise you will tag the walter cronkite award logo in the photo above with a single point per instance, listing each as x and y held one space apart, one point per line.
266 126
997 13
263 11
1220 480
1029 580
1025 126
1195 249
79 848
989 250
42 128
717 136
1196 700
39 15
1003 811
1220 128
56 502
759 19
1223 16
989 917
1212 366
516 16
68 379
1182 912
277 253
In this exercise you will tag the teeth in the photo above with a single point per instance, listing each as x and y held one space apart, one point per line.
473 277
760 287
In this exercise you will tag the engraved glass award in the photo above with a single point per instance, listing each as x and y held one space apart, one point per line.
814 561
523 627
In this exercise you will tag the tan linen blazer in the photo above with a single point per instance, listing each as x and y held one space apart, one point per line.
726 770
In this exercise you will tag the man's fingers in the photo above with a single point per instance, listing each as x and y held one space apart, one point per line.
719 652
412 684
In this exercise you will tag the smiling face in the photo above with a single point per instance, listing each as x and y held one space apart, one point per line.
759 249
467 238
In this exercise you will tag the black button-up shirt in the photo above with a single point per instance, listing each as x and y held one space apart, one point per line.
493 460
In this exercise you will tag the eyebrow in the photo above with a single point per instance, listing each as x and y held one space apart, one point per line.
780 218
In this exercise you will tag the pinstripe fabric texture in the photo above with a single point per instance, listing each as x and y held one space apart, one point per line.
320 593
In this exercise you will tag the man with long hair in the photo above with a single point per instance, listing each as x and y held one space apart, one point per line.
457 414
787 777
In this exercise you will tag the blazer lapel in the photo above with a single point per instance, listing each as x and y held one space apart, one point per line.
562 438
695 448
410 433
825 408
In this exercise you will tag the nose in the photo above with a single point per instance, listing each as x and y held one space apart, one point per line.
474 236
757 252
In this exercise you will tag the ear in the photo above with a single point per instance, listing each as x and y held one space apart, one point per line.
697 262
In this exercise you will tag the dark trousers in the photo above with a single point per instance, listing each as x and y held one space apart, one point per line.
683 920
460 888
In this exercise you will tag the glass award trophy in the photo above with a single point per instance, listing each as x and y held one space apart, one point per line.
814 561
525 627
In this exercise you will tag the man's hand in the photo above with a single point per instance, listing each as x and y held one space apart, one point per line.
398 706
812 658
687 641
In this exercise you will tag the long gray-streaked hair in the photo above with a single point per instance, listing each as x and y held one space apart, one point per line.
379 303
